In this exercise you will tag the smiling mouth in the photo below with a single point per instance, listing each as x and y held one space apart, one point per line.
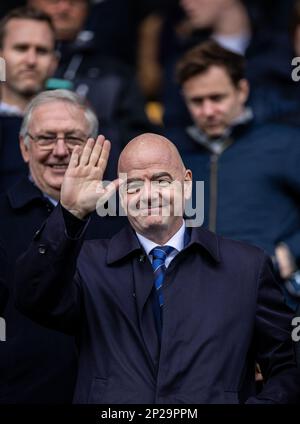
28 72
149 208
155 210
64 166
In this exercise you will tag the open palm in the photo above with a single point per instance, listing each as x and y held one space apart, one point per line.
82 185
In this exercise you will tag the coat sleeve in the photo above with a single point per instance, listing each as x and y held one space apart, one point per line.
273 342
290 183
47 286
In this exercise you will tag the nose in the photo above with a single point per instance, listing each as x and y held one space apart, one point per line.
31 56
63 6
149 194
60 149
208 108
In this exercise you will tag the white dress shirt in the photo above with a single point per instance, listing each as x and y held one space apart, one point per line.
10 110
177 241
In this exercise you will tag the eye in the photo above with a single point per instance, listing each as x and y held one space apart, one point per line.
21 47
196 101
218 97
74 141
164 183
43 51
45 139
134 187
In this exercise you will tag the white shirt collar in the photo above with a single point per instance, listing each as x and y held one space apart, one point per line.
10 110
177 241
237 43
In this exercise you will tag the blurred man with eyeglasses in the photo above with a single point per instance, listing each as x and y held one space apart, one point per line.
50 133
38 365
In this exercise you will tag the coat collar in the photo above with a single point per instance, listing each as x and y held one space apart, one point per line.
218 145
125 243
23 193
206 240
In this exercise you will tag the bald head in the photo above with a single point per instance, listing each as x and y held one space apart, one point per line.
155 187
150 150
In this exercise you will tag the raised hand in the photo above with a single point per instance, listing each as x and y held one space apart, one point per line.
82 185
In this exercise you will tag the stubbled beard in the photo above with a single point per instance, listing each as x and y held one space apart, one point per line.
30 92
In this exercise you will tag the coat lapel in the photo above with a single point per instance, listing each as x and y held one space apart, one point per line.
143 283
125 246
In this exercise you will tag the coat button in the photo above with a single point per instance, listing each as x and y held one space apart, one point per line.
42 249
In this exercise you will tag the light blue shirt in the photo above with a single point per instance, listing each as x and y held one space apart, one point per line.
177 241
10 110
53 201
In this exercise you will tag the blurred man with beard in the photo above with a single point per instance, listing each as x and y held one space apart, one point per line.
27 44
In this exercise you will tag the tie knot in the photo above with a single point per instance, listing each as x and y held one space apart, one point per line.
161 252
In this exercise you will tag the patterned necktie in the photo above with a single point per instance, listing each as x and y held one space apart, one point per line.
160 254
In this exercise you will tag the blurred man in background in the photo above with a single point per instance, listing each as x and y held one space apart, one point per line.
252 183
27 44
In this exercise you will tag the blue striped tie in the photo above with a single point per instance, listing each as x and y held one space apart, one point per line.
160 254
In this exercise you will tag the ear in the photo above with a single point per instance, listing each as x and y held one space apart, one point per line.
188 184
24 149
243 87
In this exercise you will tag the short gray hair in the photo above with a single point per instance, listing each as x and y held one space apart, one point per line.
59 95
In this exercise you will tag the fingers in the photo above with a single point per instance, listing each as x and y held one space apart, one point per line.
74 160
97 150
95 153
108 191
104 194
86 152
103 157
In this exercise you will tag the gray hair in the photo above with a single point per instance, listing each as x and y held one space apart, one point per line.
59 95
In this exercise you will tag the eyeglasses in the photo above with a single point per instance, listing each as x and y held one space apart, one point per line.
48 142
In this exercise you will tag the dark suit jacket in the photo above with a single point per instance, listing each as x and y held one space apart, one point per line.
223 310
12 165
37 365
